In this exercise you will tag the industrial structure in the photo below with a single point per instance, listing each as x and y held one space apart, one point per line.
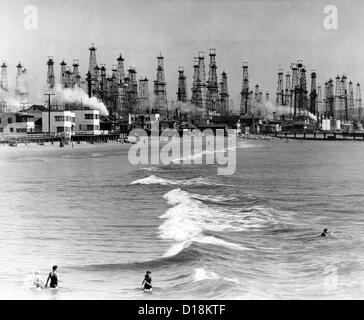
245 102
300 100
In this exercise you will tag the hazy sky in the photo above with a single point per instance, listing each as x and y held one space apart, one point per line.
266 33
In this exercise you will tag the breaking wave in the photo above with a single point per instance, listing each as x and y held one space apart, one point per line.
165 182
189 219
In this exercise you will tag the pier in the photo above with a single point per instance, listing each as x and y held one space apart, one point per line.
321 136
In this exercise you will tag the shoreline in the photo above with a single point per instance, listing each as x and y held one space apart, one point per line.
48 146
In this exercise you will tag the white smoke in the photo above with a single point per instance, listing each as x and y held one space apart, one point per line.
268 108
185 107
16 99
78 95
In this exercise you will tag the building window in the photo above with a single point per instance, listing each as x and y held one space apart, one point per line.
89 116
21 130
10 120
59 118
60 129
1 130
90 127
11 129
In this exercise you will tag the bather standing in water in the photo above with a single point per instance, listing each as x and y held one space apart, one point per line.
53 277
147 282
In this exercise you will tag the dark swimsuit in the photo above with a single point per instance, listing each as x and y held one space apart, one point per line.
54 280
149 280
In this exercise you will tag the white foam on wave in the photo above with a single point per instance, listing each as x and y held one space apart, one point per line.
200 154
153 179
201 275
189 218
151 169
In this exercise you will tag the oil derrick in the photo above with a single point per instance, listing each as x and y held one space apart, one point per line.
245 93
313 93
112 88
330 99
303 89
51 81
124 100
96 80
76 77
182 86
319 99
4 77
295 88
144 95
256 93
201 83
68 78
160 94
326 99
120 75
132 91
103 83
19 74
92 61
62 77
194 98
212 84
89 84
337 95
287 99
224 95
344 114
280 92
358 101
113 79
351 103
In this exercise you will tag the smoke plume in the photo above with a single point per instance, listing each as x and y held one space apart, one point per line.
78 95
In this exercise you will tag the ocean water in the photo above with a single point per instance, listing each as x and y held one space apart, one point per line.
252 235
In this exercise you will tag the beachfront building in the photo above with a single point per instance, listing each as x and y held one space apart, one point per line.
16 123
62 123
87 122
36 111
143 121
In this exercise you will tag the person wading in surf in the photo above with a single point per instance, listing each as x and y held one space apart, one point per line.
37 282
53 277
324 234
147 282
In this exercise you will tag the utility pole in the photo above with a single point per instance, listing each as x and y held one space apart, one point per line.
49 111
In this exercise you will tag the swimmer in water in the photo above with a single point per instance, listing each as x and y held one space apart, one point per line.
147 282
38 283
53 277
324 234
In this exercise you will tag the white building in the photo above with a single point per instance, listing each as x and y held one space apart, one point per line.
62 123
87 122
16 123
